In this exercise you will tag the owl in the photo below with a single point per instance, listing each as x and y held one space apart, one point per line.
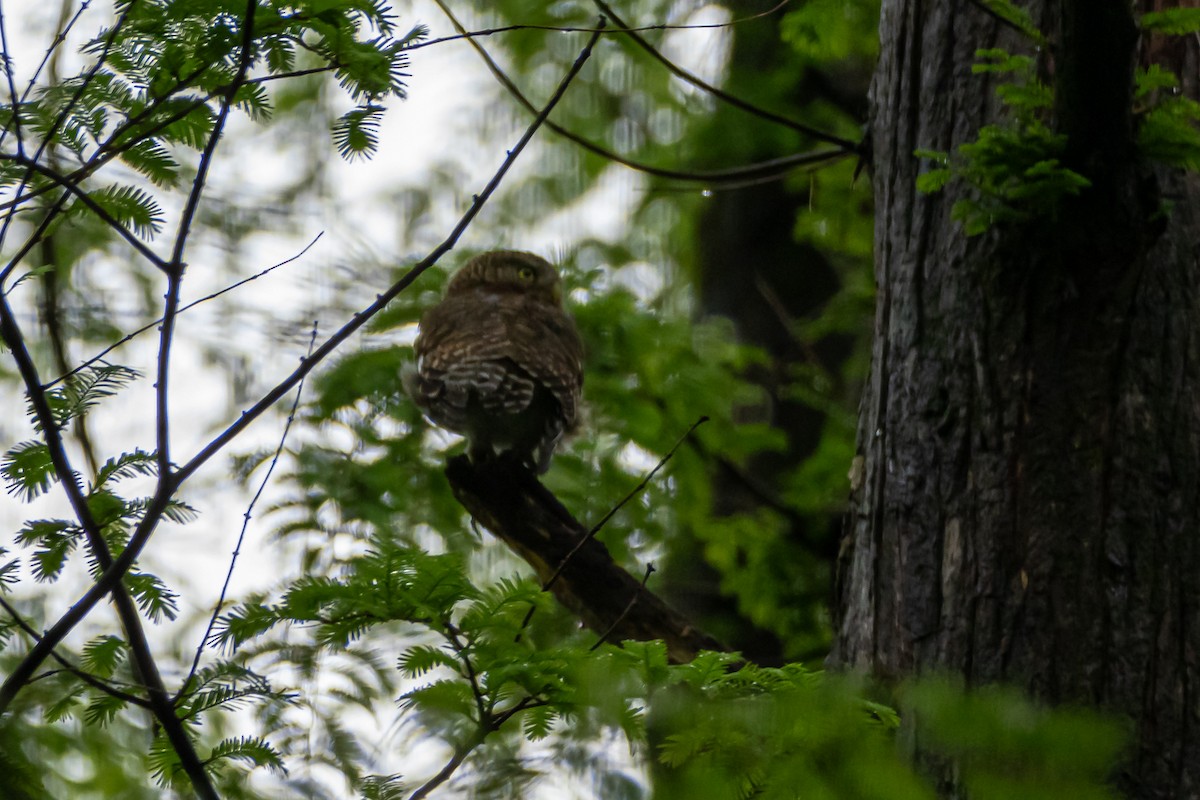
499 360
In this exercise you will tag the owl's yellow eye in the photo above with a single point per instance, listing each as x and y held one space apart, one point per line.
527 274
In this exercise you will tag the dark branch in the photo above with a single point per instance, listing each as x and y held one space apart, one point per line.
772 168
722 95
139 647
569 29
624 501
237 548
150 326
83 675
513 505
73 189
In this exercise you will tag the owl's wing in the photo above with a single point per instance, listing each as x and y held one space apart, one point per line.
547 346
463 352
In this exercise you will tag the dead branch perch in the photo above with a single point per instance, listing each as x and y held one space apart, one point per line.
511 503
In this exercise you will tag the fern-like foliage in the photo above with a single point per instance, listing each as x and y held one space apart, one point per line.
249 749
356 133
382 787
1168 122
127 465
1014 167
130 206
228 684
101 656
54 539
10 573
28 470
152 595
80 392
1174 21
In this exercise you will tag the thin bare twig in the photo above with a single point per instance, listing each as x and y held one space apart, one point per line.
237 548
583 540
83 675
453 636
465 749
624 501
772 167
59 40
621 618
722 95
150 326
569 29
12 89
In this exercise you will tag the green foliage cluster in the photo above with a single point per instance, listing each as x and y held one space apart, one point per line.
1014 168
1168 122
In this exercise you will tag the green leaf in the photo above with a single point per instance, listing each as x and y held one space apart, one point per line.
35 272
129 206
452 697
933 180
103 709
106 507
419 659
28 470
1016 16
1170 131
63 707
831 30
1000 61
382 787
1175 21
102 655
249 620
55 539
250 749
537 722
80 392
127 465
10 572
152 595
151 159
356 133
254 100
1153 78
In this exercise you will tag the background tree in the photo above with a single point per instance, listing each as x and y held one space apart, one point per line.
1024 503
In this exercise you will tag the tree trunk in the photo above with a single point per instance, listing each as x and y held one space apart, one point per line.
1026 498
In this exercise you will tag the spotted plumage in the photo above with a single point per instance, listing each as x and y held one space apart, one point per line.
499 360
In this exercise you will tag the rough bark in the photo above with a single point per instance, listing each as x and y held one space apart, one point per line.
1026 498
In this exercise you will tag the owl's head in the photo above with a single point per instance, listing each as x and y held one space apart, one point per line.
512 270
